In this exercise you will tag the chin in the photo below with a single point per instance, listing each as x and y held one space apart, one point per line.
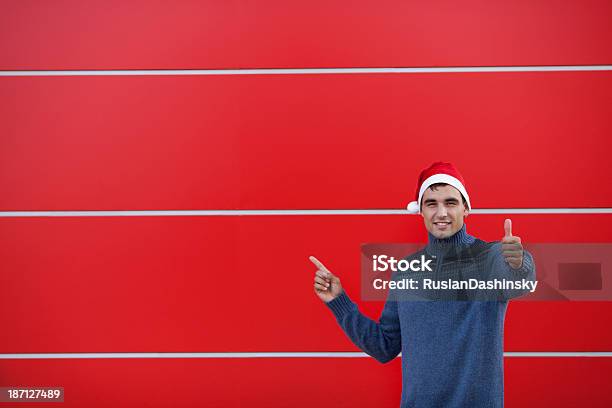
441 234
444 234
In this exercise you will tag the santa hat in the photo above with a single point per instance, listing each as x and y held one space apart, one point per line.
438 172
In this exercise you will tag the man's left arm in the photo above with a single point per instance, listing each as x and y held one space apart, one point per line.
511 262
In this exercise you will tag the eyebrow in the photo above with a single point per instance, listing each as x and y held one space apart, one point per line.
446 200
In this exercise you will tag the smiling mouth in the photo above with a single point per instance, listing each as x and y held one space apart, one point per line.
441 224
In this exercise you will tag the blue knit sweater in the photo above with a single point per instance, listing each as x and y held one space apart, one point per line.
452 351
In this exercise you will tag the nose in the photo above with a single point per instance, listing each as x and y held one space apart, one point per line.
442 212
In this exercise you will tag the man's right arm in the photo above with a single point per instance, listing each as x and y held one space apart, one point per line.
381 340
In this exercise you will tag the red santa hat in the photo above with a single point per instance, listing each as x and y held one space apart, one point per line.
438 172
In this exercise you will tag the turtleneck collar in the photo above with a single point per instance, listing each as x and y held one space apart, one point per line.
437 246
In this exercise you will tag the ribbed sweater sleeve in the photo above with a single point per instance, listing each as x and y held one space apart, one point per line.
380 340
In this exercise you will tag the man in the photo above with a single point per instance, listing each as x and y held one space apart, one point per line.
452 350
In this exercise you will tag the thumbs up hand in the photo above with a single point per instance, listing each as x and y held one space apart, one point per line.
512 249
326 285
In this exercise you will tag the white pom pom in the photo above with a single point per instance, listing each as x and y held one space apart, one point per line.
413 207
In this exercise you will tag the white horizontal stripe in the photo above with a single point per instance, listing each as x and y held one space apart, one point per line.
304 71
187 213
542 211
558 354
276 355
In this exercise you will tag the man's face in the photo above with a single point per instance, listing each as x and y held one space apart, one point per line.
443 211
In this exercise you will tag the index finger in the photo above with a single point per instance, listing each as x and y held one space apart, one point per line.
318 263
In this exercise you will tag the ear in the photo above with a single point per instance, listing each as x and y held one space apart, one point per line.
466 212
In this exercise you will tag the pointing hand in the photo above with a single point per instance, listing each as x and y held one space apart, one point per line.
326 285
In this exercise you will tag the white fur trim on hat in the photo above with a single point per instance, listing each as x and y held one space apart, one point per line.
414 207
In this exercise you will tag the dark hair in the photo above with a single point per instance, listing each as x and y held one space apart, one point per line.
434 186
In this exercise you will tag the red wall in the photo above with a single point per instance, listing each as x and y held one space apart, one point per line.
241 142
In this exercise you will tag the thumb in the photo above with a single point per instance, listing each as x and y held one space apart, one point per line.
508 227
